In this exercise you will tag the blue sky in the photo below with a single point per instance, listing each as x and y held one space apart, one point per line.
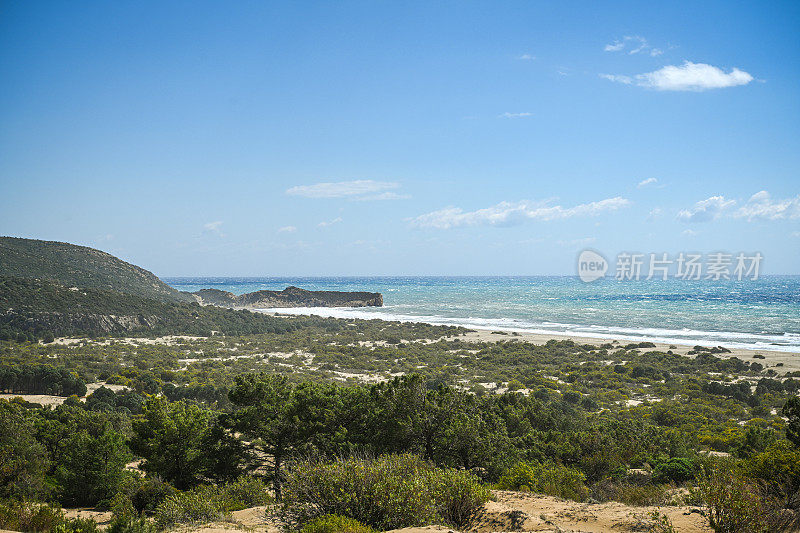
383 138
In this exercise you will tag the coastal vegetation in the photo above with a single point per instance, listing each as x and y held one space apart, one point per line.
166 413
203 415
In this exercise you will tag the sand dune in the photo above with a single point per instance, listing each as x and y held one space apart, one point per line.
516 511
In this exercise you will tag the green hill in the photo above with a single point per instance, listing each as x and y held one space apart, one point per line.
79 266
40 309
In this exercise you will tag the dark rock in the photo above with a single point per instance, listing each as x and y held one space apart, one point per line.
289 297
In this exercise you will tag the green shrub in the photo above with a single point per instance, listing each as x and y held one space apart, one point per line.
457 494
187 508
549 478
335 524
29 516
150 493
736 504
130 525
35 517
76 525
637 494
677 469
247 491
389 492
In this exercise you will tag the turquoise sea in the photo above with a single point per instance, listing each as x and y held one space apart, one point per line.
762 314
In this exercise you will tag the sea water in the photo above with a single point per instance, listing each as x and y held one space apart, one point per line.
763 314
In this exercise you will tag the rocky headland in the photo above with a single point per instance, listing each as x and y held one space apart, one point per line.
289 297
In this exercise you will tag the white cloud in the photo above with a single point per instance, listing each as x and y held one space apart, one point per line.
512 213
687 77
645 183
388 195
586 241
633 44
515 115
213 228
287 229
619 78
693 77
328 223
342 189
689 232
761 206
527 57
654 213
706 210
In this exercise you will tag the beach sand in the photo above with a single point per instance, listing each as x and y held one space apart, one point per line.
790 361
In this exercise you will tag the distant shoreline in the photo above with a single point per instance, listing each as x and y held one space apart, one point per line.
772 355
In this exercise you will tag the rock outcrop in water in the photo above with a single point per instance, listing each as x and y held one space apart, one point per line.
289 297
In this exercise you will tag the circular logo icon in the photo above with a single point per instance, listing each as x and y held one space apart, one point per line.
591 266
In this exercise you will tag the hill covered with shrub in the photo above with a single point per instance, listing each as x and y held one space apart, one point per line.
40 309
79 266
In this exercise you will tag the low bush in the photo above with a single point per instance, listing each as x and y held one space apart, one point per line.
736 504
35 517
76 525
637 494
150 493
247 491
549 478
130 525
211 502
457 494
335 524
187 508
389 492
677 469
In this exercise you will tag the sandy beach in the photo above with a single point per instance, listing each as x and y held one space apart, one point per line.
788 361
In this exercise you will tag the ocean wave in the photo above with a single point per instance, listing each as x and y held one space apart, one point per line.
787 342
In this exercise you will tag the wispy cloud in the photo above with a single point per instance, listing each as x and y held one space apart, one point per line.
343 189
328 223
706 210
633 44
687 77
214 228
760 206
287 229
515 115
527 57
618 78
645 183
388 195
586 241
654 213
513 213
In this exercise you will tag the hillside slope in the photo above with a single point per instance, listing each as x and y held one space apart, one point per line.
71 265
34 308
